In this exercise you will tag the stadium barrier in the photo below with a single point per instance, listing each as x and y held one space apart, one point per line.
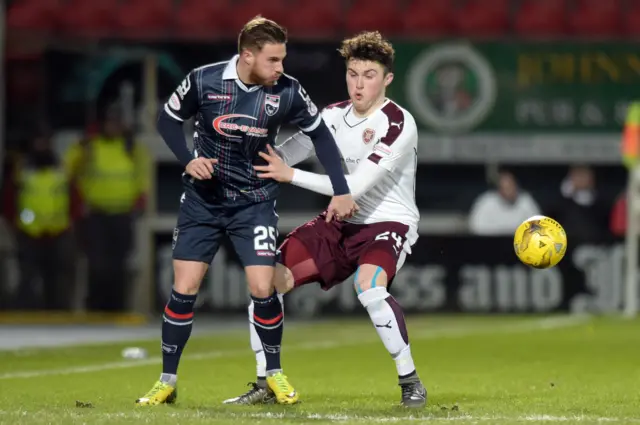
445 273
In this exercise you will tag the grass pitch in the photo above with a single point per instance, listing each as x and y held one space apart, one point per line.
488 370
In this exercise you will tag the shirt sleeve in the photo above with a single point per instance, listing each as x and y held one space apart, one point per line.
184 102
399 144
366 176
296 149
303 112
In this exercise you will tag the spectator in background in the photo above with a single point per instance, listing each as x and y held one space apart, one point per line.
580 210
38 204
499 212
112 171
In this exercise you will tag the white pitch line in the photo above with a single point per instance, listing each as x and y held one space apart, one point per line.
151 417
451 417
456 332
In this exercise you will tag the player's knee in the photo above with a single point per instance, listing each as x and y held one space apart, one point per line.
283 280
260 280
188 276
369 276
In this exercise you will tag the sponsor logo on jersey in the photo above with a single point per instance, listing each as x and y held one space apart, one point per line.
225 128
174 102
367 135
215 96
382 150
271 104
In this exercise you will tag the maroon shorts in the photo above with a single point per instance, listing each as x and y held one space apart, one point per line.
338 248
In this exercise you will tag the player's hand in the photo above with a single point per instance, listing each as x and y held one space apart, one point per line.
275 169
341 207
201 168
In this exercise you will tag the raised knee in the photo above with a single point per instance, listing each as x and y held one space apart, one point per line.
368 277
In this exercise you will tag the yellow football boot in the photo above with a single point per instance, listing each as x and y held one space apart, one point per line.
160 393
284 392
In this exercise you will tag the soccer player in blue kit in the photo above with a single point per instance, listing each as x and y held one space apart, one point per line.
239 106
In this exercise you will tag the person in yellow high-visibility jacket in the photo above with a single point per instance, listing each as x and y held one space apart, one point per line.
38 204
112 174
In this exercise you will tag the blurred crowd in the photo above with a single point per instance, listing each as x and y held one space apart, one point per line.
584 213
81 206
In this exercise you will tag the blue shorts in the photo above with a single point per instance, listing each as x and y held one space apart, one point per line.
252 229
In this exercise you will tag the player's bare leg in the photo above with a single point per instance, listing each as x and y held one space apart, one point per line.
387 317
176 329
267 320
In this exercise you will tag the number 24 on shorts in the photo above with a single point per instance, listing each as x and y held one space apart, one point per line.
385 237
265 238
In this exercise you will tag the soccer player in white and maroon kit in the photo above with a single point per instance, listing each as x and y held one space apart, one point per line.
378 141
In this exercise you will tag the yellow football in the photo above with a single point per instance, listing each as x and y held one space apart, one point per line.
540 242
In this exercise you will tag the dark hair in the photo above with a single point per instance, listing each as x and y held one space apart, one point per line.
369 46
260 31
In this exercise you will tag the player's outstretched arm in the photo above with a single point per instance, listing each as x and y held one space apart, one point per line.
305 115
329 156
367 175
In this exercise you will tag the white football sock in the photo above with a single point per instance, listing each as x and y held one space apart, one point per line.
388 319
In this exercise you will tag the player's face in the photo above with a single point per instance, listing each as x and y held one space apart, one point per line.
366 83
267 64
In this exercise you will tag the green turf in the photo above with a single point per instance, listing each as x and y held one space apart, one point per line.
490 370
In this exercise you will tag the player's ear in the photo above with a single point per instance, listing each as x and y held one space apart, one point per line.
246 56
388 79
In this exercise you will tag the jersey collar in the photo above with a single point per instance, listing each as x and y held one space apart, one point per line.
231 73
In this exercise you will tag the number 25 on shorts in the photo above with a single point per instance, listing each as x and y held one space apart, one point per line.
265 238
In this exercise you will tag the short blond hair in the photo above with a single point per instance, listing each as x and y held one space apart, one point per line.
369 46
260 31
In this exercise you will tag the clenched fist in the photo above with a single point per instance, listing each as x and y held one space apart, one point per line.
341 207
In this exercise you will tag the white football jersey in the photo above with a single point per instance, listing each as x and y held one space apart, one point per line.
389 138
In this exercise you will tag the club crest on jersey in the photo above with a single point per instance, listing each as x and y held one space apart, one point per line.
271 104
367 135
